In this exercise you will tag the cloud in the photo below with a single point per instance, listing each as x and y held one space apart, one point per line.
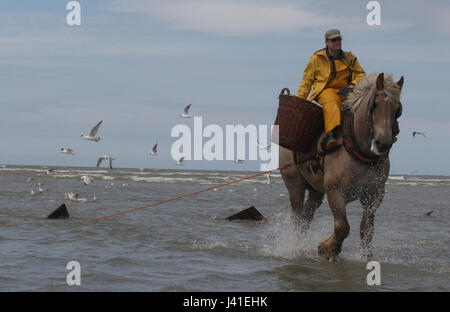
232 18
439 19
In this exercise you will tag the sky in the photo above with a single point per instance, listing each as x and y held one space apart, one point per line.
136 64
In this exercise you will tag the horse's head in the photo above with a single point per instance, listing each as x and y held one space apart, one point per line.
383 113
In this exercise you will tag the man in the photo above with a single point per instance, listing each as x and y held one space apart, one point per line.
330 72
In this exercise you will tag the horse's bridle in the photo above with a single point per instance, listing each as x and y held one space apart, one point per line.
348 134
369 120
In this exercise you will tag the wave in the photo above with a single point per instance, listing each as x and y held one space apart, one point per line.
200 177
396 177
418 181
196 245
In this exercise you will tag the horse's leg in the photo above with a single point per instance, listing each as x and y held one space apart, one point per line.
295 184
370 204
333 244
315 199
296 187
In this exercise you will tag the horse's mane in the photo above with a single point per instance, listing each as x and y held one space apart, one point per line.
365 90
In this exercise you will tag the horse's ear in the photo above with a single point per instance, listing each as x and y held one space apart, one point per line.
380 81
400 82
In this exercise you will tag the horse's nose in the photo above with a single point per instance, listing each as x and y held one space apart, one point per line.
382 146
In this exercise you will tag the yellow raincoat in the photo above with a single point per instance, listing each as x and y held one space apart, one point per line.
318 75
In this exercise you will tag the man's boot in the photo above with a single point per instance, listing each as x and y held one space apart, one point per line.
330 140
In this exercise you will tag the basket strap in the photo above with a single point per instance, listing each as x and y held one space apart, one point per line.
285 89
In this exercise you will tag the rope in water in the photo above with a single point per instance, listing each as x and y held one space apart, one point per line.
276 212
186 195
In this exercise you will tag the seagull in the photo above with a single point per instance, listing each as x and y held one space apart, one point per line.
105 157
32 192
268 175
74 197
66 150
180 161
268 178
186 112
91 136
418 132
154 150
239 161
86 179
262 146
429 213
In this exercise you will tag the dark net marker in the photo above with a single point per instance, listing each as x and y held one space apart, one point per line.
59 213
251 213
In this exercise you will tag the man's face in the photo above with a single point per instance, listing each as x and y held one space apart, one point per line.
334 44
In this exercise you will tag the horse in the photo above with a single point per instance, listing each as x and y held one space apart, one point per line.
357 169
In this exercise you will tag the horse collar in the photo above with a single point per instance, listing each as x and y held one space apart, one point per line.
350 144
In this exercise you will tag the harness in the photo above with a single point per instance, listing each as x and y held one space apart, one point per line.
350 144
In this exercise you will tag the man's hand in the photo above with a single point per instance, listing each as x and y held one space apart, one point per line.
345 90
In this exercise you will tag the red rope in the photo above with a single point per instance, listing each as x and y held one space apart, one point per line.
186 195
265 219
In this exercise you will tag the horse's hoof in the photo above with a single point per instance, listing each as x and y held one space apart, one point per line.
328 248
324 251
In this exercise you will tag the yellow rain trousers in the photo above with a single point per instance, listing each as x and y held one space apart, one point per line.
329 98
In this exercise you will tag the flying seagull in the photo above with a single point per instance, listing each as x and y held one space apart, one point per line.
263 146
66 150
91 136
418 132
154 150
180 161
186 112
105 157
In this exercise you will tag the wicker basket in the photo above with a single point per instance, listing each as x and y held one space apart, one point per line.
299 121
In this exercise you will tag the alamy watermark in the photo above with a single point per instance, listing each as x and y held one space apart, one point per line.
73 278
221 144
374 276
374 16
73 18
